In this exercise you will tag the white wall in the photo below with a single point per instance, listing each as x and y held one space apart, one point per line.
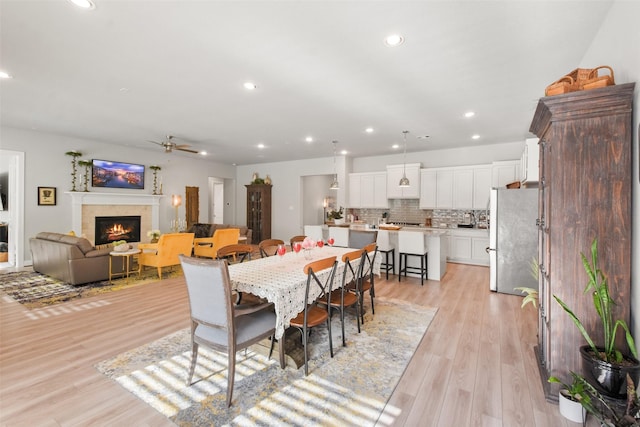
47 165
616 45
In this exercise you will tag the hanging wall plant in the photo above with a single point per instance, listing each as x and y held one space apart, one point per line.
74 166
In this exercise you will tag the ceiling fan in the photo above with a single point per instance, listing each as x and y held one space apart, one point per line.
169 145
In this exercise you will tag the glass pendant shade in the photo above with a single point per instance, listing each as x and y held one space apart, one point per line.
334 184
404 181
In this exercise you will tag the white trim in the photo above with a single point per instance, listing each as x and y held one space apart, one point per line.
78 199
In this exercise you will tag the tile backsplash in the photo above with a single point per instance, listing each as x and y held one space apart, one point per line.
408 211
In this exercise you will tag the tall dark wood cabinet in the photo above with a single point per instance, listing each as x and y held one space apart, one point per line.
584 193
259 211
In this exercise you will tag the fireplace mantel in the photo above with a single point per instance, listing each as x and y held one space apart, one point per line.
79 199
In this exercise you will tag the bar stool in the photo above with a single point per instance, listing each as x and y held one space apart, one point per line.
412 243
388 250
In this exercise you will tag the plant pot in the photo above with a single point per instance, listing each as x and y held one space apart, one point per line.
571 409
610 379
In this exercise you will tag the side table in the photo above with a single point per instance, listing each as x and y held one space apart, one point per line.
126 255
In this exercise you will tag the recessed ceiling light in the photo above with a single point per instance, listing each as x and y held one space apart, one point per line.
344 152
476 136
368 130
469 114
84 4
250 86
260 145
395 146
394 40
203 153
309 139
5 75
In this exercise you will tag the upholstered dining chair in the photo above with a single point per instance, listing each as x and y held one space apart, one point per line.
296 239
314 232
165 252
215 321
342 298
269 247
208 246
340 236
314 315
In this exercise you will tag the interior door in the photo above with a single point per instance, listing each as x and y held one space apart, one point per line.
192 206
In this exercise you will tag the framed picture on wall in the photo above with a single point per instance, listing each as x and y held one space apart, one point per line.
46 196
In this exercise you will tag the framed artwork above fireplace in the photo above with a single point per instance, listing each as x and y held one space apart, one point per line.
109 174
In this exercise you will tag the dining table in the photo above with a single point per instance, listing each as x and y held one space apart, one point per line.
280 279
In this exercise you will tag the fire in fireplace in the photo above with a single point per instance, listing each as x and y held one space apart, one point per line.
113 228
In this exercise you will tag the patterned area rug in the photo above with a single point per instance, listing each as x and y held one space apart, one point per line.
37 290
350 389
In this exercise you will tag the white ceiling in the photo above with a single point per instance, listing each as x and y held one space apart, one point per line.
132 71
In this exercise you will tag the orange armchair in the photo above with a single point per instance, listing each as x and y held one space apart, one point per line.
208 246
165 252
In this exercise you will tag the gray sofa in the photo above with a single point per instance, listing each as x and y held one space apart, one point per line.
207 230
69 258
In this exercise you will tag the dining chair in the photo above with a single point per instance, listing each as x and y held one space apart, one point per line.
342 298
235 253
215 321
208 246
367 283
313 315
296 239
340 236
269 247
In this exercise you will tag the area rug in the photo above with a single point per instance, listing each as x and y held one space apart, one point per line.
350 389
35 290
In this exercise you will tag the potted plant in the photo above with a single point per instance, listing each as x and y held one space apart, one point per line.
572 399
611 413
336 216
604 366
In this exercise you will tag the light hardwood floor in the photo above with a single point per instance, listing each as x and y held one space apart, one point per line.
474 367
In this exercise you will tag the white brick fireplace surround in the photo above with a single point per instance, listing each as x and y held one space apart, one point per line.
86 206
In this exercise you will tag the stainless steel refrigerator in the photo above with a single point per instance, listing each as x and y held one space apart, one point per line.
513 239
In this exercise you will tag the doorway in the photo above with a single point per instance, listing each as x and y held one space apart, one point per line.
216 200
315 195
12 213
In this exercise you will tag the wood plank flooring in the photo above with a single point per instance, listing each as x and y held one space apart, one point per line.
474 367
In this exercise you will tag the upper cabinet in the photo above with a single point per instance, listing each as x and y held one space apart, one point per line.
368 190
394 174
506 172
466 187
529 168
481 186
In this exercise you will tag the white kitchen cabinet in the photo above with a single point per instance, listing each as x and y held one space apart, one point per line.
394 174
428 189
444 188
468 246
479 254
529 168
368 190
505 172
463 188
481 186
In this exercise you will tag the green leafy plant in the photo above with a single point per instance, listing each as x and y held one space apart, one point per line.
608 413
531 294
119 242
575 391
336 214
603 304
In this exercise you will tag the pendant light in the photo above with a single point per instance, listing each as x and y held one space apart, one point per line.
404 181
334 184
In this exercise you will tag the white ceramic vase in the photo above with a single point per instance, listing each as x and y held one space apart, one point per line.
571 410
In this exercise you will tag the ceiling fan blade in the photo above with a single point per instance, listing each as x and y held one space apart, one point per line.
183 148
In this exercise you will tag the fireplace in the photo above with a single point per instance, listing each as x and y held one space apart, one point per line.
113 228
